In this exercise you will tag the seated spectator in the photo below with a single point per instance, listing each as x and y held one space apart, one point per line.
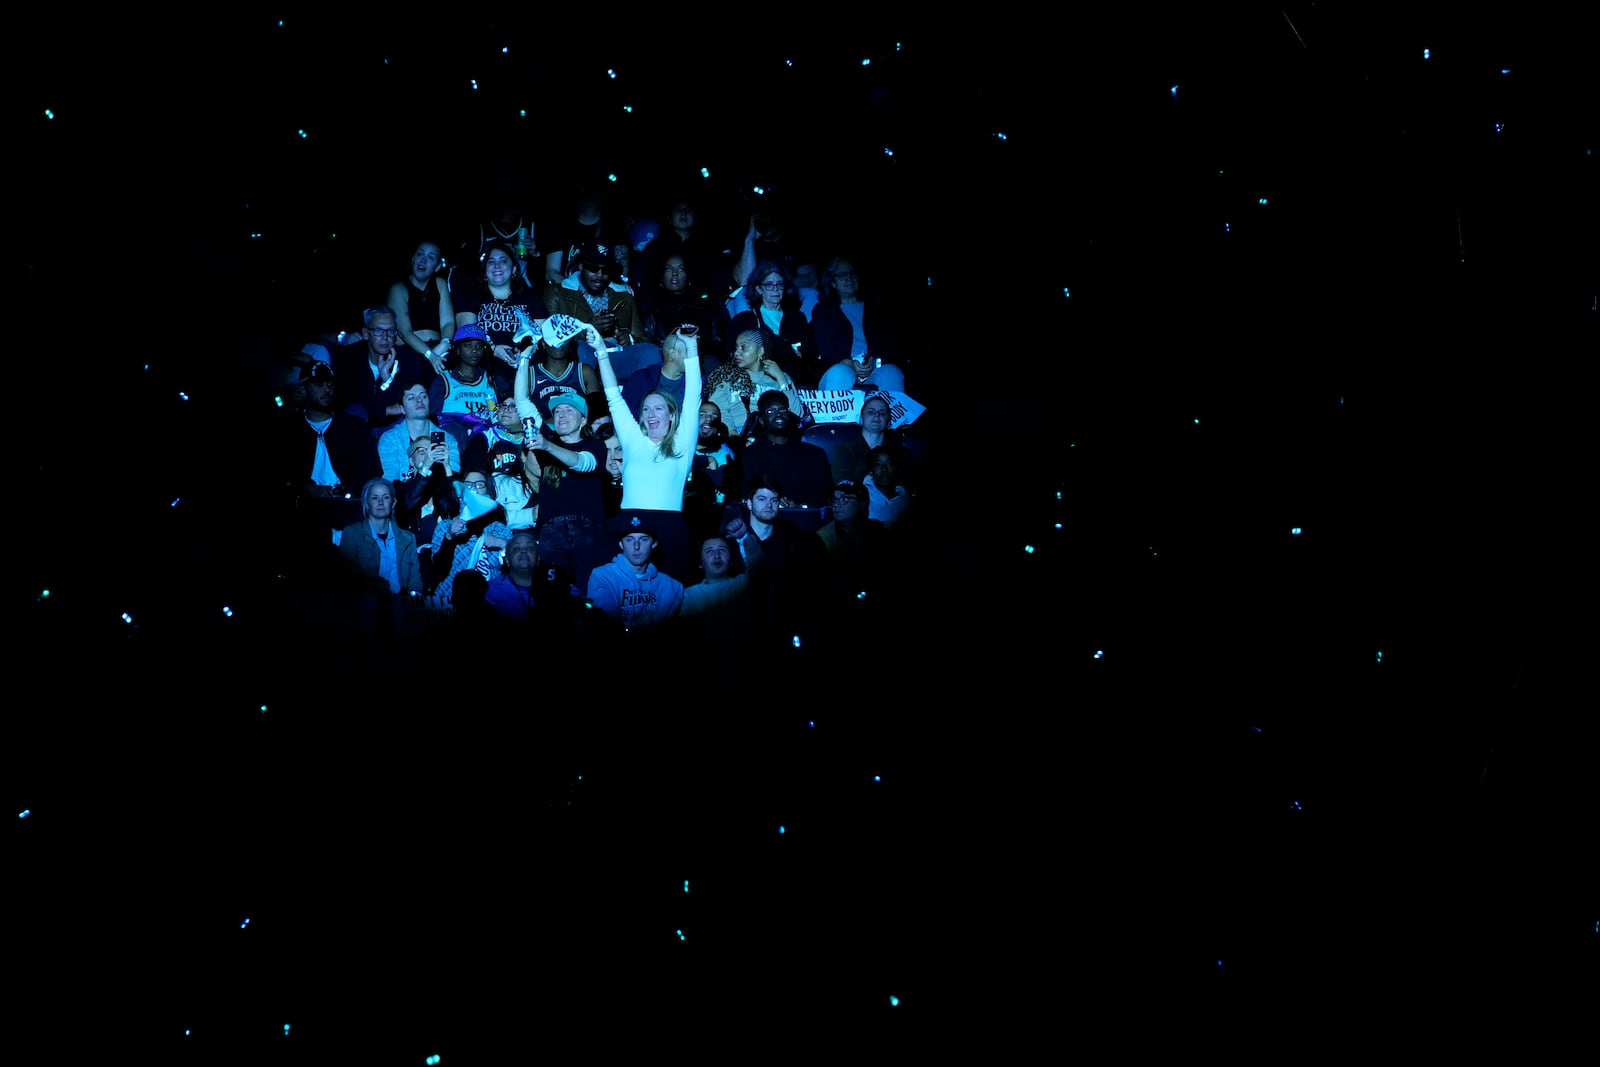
630 590
464 397
525 591
774 308
857 544
671 300
889 500
557 369
379 556
736 385
394 444
499 448
475 538
778 450
667 377
716 615
789 565
591 297
426 495
857 343
850 456
320 456
368 369
497 302
423 312
714 474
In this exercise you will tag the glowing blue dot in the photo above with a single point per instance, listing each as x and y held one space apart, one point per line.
1257 729
174 501
1427 53
1499 127
186 1033
285 1029
861 595
1505 70
628 108
244 924
1294 530
611 74
681 937
431 1060
505 50
23 814
1174 91
303 134
930 281
1295 804
812 724
474 84
183 395
227 611
1067 293
522 113
888 151
1059 526
49 114
1380 657
1000 135
44 595
1263 200
263 709
866 62
759 190
705 172
686 885
126 617
788 62
1028 549
780 829
1100 654
796 640
875 778
894 1001
1227 227
611 177
278 400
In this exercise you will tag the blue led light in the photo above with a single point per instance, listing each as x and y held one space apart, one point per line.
278 400
686 885
1000 135
705 172
522 112
875 778
812 724
127 618
183 395
1100 654
1294 530
303 134
628 108
263 709
1427 53
24 813
780 829
861 595
1028 549
611 177
431 1060
1263 200
227 611
894 1001
285 1029
49 114
474 84
681 937
186 1033
174 501
1174 91
611 74
244 924
1505 70
796 640
505 50
866 62
1295 804
45 595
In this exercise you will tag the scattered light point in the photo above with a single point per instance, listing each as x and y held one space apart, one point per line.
303 134
861 595
1100 654
1067 293
611 74
126 617
788 62
1294 530
894 1001
474 84
1028 549
686 885
1174 90
1380 657
45 595
278 400
263 709
1427 53
174 501
611 177
1000 135
431 1060
866 62
888 151
780 829
49 114
285 1029
23 814
227 611
681 937
1263 200
244 924
705 172
796 640
183 394
1499 127
628 108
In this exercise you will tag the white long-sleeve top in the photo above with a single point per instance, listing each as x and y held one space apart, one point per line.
650 480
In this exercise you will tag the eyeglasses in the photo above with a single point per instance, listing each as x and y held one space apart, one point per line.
774 409
771 287
596 268
840 499
478 486
381 332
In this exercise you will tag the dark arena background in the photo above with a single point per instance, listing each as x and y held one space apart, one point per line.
1236 705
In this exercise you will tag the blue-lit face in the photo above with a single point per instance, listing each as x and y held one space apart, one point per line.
771 291
425 261
636 548
714 558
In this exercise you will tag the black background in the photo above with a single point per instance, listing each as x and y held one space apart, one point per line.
1237 833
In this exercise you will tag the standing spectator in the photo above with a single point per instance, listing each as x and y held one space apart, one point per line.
591 296
465 396
657 451
590 225
321 456
572 512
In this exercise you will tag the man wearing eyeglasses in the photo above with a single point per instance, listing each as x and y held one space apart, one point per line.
367 372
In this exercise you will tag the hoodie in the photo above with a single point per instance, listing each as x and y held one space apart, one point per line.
635 600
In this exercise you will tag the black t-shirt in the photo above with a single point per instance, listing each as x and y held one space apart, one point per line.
497 318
